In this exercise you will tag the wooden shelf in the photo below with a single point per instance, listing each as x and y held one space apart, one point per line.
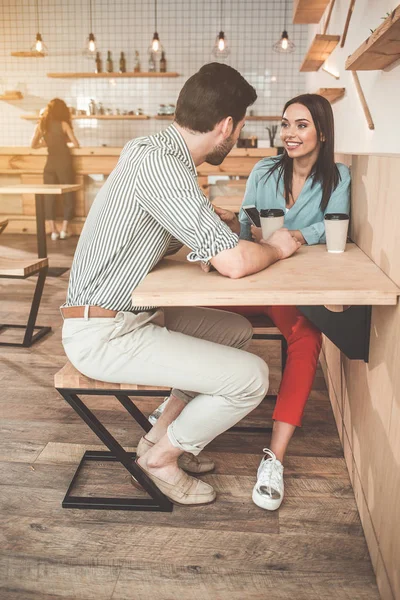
320 49
248 118
331 94
12 95
264 118
109 75
381 49
98 117
309 11
28 54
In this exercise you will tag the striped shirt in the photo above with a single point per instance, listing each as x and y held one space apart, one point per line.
149 206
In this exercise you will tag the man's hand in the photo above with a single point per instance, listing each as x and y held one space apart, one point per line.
283 242
256 233
228 217
205 267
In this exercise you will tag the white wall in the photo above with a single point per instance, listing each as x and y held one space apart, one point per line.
381 88
187 30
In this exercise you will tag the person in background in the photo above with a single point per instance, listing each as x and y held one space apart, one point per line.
306 183
54 130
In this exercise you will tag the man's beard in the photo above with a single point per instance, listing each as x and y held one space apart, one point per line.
217 155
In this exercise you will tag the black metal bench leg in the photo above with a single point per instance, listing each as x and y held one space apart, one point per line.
158 500
29 336
134 412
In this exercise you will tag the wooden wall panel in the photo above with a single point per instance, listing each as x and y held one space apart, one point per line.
369 414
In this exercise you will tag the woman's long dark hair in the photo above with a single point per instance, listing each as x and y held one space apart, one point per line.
324 170
56 110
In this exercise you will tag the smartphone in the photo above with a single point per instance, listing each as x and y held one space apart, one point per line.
253 214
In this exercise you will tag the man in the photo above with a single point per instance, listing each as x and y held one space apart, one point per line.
150 205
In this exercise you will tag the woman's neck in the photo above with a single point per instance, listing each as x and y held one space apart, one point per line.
303 166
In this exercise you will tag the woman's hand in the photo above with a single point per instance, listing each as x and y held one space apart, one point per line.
256 233
228 217
296 233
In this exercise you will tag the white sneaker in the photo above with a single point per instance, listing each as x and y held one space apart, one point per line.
158 412
269 489
54 236
64 235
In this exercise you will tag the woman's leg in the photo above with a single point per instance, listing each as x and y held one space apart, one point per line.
49 176
304 345
65 174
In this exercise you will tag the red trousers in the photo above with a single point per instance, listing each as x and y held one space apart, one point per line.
304 345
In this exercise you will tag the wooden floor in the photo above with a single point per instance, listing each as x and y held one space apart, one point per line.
312 548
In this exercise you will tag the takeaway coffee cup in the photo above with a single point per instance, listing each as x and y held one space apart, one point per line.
271 220
336 226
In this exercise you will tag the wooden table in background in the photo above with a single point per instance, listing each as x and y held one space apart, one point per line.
40 191
310 280
228 202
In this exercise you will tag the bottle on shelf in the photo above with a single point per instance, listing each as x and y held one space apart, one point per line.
122 63
109 63
163 63
152 63
92 107
136 64
99 66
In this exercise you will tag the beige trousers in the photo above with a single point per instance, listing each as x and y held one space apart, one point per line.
198 352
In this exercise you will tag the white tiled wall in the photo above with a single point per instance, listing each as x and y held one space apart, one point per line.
187 29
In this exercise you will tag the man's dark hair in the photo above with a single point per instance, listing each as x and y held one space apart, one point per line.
214 93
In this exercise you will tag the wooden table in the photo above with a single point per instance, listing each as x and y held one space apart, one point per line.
40 191
228 202
310 280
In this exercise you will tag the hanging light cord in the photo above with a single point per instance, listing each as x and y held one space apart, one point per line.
284 21
90 16
37 15
155 13
220 15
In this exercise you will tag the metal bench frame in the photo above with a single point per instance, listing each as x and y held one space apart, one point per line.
29 336
116 453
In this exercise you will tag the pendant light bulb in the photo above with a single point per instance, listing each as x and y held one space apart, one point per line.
39 46
156 48
221 49
91 43
284 45
155 43
39 43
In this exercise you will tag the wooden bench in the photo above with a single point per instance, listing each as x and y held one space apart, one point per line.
71 384
21 269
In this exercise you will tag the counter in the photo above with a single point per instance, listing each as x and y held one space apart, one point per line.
20 164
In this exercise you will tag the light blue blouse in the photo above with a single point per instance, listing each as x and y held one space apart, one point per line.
305 214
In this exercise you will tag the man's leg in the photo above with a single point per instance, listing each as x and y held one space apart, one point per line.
229 382
206 324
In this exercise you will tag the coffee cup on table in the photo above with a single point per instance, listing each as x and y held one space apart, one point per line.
271 220
336 226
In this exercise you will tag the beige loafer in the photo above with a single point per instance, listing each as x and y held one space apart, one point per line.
187 491
187 461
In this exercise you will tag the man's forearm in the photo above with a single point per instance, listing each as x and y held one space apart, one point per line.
246 258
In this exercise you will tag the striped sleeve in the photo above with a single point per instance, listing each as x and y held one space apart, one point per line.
169 192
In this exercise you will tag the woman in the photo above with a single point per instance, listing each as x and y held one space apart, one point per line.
306 183
54 130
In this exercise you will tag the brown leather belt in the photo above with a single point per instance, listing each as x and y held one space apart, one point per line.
78 312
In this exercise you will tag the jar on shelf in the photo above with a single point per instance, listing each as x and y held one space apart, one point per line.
162 110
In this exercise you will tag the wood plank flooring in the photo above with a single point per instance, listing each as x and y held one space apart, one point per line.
312 548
